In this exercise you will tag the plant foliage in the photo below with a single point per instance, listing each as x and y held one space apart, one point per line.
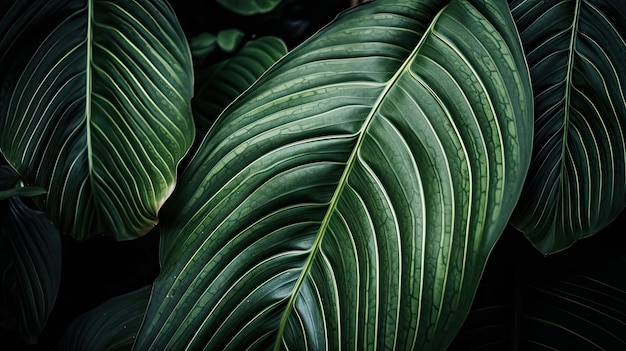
344 193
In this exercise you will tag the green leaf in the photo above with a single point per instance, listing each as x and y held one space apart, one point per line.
229 39
351 196
219 85
577 179
249 7
202 45
100 114
30 263
27 191
110 326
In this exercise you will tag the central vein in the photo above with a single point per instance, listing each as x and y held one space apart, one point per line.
342 183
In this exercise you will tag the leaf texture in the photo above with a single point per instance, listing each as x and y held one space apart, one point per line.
111 326
350 197
30 263
99 115
577 180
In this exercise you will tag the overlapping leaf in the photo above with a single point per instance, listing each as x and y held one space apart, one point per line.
577 180
350 197
98 111
30 263
219 85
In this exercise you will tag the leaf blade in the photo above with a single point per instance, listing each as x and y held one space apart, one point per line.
31 268
299 160
575 184
100 116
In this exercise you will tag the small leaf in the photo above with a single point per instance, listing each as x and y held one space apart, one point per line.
26 191
202 45
229 39
111 326
30 263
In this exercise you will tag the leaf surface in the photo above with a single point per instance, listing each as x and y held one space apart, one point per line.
351 196
30 263
577 179
111 326
98 112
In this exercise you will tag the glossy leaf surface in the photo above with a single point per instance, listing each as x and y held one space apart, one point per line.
351 196
98 112
577 180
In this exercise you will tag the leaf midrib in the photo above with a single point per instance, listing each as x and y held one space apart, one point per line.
343 180
567 98
88 89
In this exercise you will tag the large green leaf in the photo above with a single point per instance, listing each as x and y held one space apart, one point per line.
98 113
577 179
110 326
351 196
30 266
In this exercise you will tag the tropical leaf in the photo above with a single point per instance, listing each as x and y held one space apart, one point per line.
249 7
111 326
351 196
99 113
577 179
30 263
548 303
219 85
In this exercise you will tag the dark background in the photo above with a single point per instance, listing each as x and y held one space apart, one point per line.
96 270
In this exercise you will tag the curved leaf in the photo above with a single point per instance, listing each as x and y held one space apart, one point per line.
100 114
577 179
219 85
30 263
351 196
111 326
249 7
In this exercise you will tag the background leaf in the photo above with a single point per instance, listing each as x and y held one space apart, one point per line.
219 85
575 300
111 326
577 180
351 196
30 260
249 7
100 114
